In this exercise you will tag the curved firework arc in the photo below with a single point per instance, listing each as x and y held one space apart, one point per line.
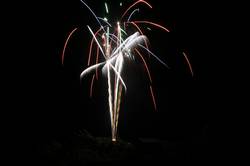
136 10
66 43
154 55
89 69
91 45
137 2
189 64
93 14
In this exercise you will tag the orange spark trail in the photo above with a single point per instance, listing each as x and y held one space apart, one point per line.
134 5
96 61
152 23
66 42
145 64
91 45
91 86
139 29
153 97
189 64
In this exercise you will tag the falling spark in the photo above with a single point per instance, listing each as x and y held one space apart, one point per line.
136 10
96 40
154 55
106 7
145 64
189 64
91 87
96 61
92 13
153 97
117 44
66 43
139 1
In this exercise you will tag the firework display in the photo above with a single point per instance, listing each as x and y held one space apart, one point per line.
112 44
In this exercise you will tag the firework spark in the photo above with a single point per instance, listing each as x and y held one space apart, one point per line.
116 46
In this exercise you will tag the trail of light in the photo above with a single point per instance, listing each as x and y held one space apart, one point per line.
104 41
130 38
93 14
130 42
119 64
110 100
139 1
91 86
116 86
119 76
111 37
124 26
110 45
145 64
91 45
139 29
118 109
112 67
135 42
154 55
110 92
96 61
189 64
107 44
116 63
96 40
116 82
114 37
106 7
105 20
66 43
114 91
136 10
153 97
124 31
89 69
152 23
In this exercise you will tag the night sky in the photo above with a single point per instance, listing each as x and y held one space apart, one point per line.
54 103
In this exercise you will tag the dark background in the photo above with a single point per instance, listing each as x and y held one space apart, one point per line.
49 102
